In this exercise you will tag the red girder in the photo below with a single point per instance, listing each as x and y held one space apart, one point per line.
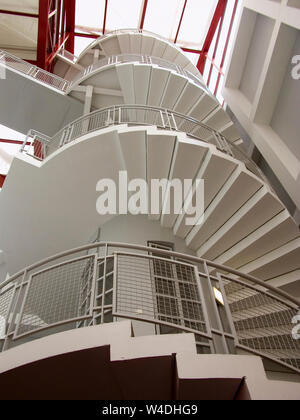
219 12
11 12
226 44
143 15
180 22
104 18
70 24
56 27
11 141
215 50
43 31
2 179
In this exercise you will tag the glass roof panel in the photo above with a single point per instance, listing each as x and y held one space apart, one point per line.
195 22
163 17
121 16
225 28
81 44
192 56
89 14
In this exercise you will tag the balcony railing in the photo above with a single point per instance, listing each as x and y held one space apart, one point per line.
33 72
65 86
131 31
136 58
174 293
41 146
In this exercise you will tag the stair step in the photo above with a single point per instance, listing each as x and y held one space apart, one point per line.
267 316
275 342
265 332
257 211
248 299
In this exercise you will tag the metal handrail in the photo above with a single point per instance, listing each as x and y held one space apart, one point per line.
295 303
286 356
143 115
130 58
135 31
33 72
66 86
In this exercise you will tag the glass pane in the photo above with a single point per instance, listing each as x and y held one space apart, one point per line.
163 17
89 14
213 80
121 15
81 44
196 21
225 28
192 56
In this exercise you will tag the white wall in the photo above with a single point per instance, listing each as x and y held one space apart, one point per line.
139 230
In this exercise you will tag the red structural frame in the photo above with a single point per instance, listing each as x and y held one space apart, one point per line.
56 28
2 179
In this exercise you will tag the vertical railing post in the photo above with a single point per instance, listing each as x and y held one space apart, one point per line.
219 340
227 309
204 307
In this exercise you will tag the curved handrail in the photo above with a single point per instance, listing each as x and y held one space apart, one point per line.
132 58
143 115
33 317
180 256
34 72
65 86
135 31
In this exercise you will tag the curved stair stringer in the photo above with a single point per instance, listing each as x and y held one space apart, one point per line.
136 43
145 84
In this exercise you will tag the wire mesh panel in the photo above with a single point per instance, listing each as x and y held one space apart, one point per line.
164 291
6 295
263 322
35 72
58 294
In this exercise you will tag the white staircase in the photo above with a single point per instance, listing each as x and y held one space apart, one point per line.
245 224
127 42
145 84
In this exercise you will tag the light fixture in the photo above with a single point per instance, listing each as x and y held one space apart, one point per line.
219 296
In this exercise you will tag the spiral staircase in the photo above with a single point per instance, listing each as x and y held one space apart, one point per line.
245 226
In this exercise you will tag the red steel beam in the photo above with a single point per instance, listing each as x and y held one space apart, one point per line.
43 31
57 48
2 179
226 43
180 22
10 12
11 141
105 16
57 22
143 15
191 50
70 7
219 12
215 50
79 34
62 20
